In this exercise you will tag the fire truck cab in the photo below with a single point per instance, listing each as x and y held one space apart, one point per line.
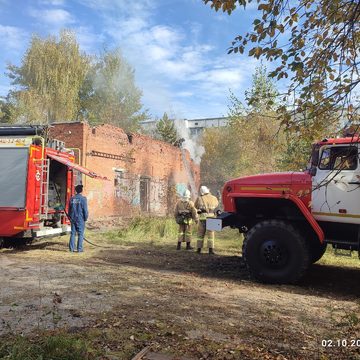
289 218
36 183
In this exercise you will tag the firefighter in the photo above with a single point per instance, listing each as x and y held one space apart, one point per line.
78 213
206 204
185 214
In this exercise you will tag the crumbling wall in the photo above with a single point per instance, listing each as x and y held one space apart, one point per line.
144 174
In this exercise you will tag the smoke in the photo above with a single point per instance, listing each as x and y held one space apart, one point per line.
190 144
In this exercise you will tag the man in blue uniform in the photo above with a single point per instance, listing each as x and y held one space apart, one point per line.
78 213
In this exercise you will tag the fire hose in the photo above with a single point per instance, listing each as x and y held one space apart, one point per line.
68 216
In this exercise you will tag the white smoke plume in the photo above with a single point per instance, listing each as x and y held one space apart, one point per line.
190 144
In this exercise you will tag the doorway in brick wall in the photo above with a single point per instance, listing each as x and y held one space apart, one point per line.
145 193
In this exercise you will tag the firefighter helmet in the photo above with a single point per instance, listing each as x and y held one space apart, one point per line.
187 194
204 190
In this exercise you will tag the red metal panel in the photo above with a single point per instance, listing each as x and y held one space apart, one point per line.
74 166
307 214
347 140
12 222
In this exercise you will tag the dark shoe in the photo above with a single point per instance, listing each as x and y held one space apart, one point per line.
211 251
188 247
198 251
178 246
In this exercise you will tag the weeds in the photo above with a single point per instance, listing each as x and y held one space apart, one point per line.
57 347
164 231
330 258
144 229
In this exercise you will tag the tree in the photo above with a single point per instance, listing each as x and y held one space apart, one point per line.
6 110
48 81
262 95
109 94
251 142
249 145
166 130
321 54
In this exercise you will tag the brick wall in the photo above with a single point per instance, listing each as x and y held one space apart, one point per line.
145 174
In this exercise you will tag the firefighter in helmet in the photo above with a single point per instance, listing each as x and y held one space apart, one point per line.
206 204
78 213
185 214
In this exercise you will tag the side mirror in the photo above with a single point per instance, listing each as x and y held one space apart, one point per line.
313 170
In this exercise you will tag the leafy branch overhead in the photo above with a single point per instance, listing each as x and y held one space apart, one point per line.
314 43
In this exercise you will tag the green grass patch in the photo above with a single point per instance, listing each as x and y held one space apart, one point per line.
160 231
340 259
55 347
150 231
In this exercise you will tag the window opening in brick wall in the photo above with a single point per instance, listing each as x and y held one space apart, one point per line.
145 193
118 182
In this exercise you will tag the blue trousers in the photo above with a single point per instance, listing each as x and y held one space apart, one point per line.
79 228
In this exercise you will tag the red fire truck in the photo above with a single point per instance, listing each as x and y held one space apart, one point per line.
289 218
36 183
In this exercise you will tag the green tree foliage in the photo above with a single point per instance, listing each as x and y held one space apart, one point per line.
251 142
109 94
248 145
262 96
166 130
320 55
5 110
56 82
48 81
298 140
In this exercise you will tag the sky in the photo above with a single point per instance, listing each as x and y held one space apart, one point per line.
178 48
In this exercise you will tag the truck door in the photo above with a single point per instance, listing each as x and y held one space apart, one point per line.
336 185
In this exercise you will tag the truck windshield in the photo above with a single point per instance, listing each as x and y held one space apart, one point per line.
339 158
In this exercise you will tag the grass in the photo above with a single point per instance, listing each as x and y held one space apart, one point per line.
55 347
150 231
145 230
330 258
163 231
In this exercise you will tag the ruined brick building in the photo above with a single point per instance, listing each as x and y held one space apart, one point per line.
145 175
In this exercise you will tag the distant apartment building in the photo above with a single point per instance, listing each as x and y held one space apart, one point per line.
195 127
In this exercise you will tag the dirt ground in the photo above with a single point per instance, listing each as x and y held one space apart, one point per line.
126 297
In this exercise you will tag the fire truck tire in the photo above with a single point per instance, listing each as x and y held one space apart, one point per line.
275 252
2 241
317 250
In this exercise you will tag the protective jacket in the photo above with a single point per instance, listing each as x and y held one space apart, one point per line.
185 212
78 211
206 205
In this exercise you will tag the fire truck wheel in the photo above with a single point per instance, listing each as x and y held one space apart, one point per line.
317 250
2 241
275 252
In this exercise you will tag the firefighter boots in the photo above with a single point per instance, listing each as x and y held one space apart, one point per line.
198 251
178 246
188 246
211 251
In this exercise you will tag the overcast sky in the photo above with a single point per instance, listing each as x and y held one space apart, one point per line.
178 48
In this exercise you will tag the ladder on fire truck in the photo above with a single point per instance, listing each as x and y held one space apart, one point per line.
42 167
